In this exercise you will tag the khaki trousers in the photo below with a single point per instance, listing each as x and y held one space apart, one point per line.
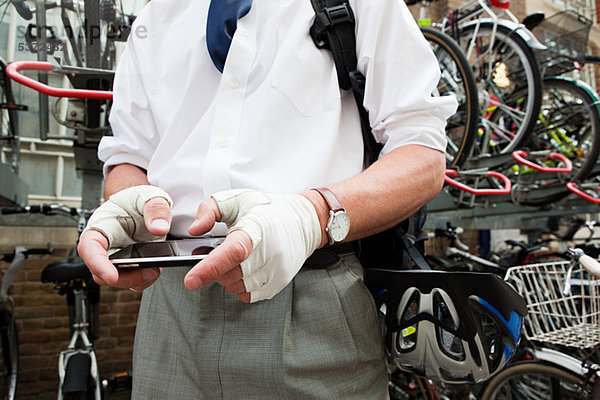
317 339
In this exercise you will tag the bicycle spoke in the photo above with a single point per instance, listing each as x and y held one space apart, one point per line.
501 132
507 74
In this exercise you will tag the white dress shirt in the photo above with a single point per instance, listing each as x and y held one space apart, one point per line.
275 119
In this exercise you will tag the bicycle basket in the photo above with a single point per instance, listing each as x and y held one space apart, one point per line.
553 317
566 35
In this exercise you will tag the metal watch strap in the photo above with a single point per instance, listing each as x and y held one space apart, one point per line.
330 199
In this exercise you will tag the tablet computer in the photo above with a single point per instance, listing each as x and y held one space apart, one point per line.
168 253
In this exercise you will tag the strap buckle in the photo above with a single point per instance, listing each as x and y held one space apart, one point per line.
358 81
339 14
326 19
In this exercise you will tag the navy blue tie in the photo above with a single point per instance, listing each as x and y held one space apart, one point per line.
220 27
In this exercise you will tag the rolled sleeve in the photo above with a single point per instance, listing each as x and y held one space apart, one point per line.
135 136
401 73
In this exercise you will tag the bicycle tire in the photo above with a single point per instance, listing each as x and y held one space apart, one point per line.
10 355
535 380
77 383
503 74
406 386
569 124
456 78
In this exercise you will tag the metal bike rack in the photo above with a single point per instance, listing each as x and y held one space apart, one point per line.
475 208
93 86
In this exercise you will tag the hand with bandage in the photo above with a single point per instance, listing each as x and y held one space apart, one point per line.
270 237
135 214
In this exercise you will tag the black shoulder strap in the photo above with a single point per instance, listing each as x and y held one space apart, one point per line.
333 29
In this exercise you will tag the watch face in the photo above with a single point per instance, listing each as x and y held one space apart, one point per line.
339 226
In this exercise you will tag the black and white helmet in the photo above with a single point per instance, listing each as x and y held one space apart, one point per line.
454 327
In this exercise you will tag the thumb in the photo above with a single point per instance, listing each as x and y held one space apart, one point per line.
233 204
157 216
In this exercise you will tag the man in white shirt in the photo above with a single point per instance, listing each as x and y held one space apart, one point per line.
192 125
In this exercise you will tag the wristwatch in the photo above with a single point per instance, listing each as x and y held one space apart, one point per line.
338 224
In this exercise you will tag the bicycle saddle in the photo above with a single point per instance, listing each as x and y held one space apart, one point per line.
66 270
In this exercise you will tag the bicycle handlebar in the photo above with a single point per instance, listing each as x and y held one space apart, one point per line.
451 232
590 264
587 262
572 186
520 155
13 69
17 259
40 209
8 256
491 174
46 209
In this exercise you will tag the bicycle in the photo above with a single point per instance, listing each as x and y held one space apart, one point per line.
562 300
565 35
568 124
9 361
499 50
456 253
569 120
458 79
457 256
79 375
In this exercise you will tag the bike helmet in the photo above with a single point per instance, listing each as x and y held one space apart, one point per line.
455 327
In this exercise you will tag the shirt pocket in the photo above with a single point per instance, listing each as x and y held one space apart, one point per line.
304 74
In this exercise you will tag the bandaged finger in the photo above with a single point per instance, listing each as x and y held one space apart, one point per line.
235 203
121 217
284 229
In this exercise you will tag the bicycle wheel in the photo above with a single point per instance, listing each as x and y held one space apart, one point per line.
509 83
536 380
406 386
77 384
457 79
568 124
9 362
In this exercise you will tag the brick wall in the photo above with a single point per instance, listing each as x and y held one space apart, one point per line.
43 328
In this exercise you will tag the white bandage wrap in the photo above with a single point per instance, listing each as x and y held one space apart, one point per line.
121 218
284 229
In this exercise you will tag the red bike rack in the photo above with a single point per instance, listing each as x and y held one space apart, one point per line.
572 186
13 69
520 155
489 174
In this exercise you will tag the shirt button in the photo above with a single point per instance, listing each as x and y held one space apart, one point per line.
234 83
223 142
245 33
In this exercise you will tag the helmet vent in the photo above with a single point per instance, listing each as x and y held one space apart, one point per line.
450 344
406 339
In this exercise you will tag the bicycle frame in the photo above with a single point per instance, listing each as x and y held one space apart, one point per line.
5 299
475 9
79 344
453 251
10 360
10 350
